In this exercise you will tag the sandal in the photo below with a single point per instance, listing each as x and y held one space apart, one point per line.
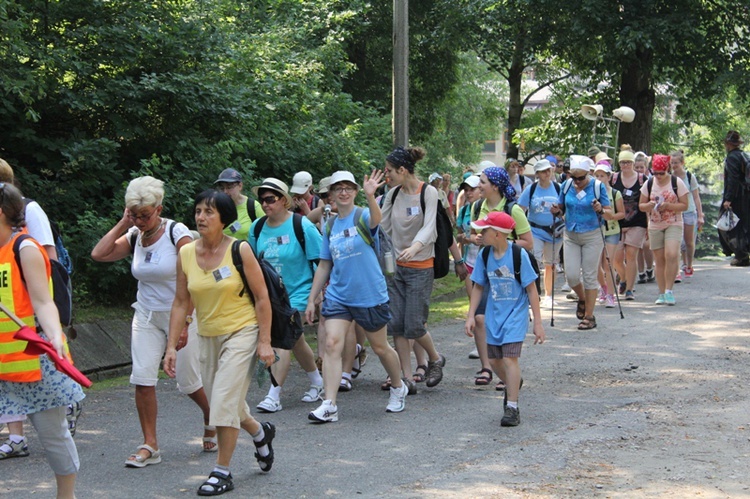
210 444
345 385
265 462
419 377
500 386
581 309
217 484
587 323
138 461
386 385
483 377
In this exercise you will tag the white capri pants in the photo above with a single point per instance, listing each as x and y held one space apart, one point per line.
582 253
60 449
149 341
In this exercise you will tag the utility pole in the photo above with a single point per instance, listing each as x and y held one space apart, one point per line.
400 109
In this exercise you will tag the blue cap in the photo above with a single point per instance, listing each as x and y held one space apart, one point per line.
551 159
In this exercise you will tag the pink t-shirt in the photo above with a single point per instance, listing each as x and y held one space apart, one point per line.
664 194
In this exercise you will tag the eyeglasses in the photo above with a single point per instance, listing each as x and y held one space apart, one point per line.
268 200
142 218
224 186
347 189
578 179
660 173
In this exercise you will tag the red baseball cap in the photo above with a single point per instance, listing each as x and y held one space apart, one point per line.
498 220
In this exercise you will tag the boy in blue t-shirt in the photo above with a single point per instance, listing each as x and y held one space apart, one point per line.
506 319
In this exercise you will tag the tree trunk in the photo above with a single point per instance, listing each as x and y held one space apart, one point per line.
637 92
515 107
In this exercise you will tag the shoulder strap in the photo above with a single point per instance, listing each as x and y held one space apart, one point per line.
250 206
566 186
674 184
477 208
172 223
362 227
237 261
649 185
421 198
395 193
531 191
557 187
517 262
329 223
17 254
133 240
690 178
298 231
259 226
598 186
486 256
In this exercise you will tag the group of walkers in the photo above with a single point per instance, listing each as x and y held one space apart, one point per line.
193 310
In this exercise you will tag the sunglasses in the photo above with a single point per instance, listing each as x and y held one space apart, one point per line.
578 179
268 199
660 173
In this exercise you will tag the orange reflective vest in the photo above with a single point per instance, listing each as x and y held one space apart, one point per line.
15 365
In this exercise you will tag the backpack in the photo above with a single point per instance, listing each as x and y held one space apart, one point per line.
62 290
508 209
441 263
63 257
598 186
286 322
250 206
382 245
516 264
134 236
650 184
299 232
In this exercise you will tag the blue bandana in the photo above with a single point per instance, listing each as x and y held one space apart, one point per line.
499 177
401 157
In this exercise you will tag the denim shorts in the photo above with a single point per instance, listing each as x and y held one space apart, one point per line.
612 239
369 318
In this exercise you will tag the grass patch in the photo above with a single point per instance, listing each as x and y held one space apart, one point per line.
449 310
93 313
446 285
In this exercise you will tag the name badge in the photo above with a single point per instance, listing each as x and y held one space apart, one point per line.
628 192
581 195
283 239
412 211
152 257
222 273
350 232
235 226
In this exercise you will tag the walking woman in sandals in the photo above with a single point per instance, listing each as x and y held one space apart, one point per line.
30 384
153 242
583 242
232 335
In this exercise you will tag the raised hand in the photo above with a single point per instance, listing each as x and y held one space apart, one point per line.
373 182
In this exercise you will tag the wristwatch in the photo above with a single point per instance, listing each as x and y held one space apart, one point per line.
189 319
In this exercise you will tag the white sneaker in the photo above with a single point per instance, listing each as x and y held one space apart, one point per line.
397 400
269 404
474 354
547 302
326 413
313 394
565 287
560 269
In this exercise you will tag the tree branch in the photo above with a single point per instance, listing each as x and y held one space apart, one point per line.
547 84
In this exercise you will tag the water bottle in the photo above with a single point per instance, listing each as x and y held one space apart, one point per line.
390 263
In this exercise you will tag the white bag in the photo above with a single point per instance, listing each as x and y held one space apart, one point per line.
727 221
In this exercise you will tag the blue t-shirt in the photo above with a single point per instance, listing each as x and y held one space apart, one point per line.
507 315
463 223
282 250
539 209
579 214
356 279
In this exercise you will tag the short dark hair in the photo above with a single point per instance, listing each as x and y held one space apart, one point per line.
222 202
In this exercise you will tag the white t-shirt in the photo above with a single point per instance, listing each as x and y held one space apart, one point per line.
155 267
38 225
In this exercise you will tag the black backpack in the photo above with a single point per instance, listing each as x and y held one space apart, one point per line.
134 236
286 322
516 264
441 265
62 291
250 205
508 209
650 184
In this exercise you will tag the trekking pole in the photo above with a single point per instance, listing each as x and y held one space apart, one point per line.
611 272
554 276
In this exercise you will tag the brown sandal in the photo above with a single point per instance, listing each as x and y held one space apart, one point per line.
587 323
419 377
581 309
386 385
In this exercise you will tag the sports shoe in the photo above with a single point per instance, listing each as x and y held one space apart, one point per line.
547 302
9 449
435 372
650 275
669 298
610 302
313 394
572 296
269 404
642 278
688 271
474 354
325 413
73 412
602 295
397 399
265 462
678 277
623 287
660 300
565 287
560 268
512 417
629 295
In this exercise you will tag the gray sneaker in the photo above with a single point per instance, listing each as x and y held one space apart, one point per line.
512 417
11 449
435 371
397 399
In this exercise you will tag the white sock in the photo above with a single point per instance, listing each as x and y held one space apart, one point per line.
669 292
274 392
258 437
347 376
221 469
315 378
512 404
16 439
